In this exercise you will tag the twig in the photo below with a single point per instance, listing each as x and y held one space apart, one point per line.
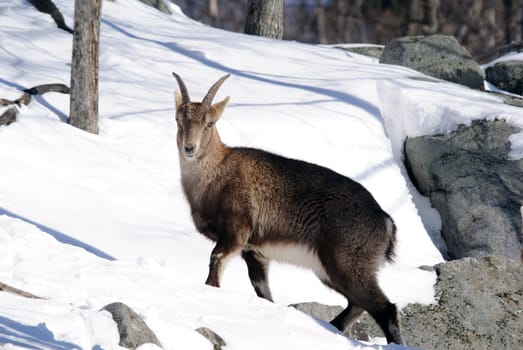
47 6
9 115
5 288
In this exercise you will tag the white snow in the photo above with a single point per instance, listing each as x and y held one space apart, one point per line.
86 220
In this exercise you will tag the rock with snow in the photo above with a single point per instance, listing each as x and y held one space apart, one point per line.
479 306
364 328
374 51
216 341
476 188
439 56
158 4
506 75
133 331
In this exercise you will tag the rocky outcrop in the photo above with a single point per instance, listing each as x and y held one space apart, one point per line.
506 75
440 56
132 329
476 189
479 306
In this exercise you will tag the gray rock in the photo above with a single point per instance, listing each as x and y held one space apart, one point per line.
158 4
363 329
507 75
214 338
374 51
479 306
132 329
476 189
508 99
439 56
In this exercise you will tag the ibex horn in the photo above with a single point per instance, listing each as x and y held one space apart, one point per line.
183 89
207 100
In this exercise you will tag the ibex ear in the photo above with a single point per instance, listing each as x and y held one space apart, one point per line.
177 99
217 109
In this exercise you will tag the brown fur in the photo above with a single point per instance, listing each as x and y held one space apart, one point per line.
267 206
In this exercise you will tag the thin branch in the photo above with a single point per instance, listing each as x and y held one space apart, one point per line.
6 288
9 115
47 6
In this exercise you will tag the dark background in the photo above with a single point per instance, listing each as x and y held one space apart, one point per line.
482 26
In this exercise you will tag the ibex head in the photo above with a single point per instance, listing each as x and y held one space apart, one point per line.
196 119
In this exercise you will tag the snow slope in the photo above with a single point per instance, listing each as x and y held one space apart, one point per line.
86 220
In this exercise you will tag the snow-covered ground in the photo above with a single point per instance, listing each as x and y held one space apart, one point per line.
86 220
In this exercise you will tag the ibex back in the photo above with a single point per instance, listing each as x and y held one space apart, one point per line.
268 207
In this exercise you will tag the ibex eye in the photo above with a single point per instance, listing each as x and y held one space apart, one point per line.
209 125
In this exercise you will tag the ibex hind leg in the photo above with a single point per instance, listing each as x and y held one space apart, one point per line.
387 318
347 317
369 297
257 268
384 312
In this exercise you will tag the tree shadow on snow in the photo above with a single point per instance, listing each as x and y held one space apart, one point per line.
61 237
200 57
30 337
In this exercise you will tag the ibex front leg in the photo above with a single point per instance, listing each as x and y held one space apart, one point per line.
226 246
219 257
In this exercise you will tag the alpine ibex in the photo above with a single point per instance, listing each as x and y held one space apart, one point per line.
268 207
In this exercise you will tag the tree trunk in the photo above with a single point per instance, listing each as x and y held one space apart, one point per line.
321 23
84 67
513 21
265 18
213 11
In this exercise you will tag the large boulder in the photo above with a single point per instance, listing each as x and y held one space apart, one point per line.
133 331
506 75
479 306
440 56
475 187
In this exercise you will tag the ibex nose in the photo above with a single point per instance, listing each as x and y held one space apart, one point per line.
189 150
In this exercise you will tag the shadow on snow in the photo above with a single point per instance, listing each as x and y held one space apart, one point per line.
61 237
30 337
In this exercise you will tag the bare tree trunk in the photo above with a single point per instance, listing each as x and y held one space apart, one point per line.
361 21
214 13
513 20
84 67
341 28
430 16
413 17
321 23
265 18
